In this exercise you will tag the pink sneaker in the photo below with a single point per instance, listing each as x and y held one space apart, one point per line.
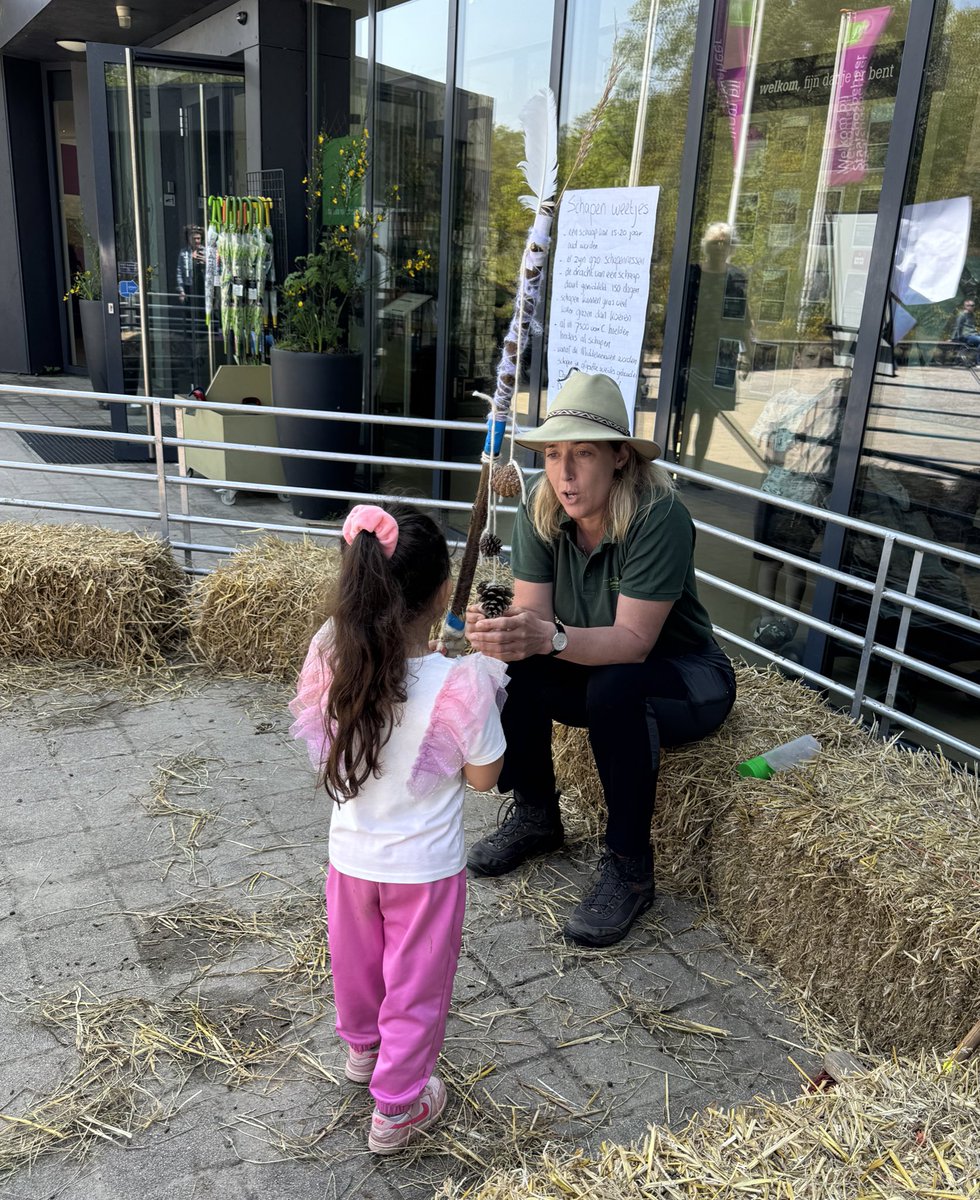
389 1134
360 1064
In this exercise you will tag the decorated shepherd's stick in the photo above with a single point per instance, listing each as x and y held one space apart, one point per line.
540 169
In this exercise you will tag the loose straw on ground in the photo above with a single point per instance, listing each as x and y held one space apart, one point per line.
903 1130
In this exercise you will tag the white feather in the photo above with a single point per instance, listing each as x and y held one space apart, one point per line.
539 117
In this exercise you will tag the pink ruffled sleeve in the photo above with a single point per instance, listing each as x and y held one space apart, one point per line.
473 689
309 704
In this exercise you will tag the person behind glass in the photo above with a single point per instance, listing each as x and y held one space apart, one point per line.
720 338
965 328
190 264
396 731
606 633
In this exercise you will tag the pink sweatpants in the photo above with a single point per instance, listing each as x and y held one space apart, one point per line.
393 954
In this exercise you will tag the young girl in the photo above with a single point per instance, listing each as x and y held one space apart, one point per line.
396 732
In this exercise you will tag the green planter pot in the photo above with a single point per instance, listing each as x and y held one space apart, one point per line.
325 383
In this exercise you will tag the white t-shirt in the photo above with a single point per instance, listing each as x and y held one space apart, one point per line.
407 825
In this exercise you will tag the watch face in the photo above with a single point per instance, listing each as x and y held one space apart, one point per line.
559 641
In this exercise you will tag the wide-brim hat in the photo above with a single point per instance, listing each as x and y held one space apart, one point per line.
587 408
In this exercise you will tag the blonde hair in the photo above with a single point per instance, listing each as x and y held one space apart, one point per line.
637 486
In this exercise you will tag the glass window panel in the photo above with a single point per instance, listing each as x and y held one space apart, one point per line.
639 137
178 166
76 252
407 155
503 58
798 112
920 470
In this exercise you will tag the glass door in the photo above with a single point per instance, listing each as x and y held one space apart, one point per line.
167 132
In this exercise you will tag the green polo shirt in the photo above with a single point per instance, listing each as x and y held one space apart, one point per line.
655 561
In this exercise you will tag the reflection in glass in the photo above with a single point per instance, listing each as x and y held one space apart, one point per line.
497 73
190 141
920 471
76 252
721 338
407 141
798 97
638 141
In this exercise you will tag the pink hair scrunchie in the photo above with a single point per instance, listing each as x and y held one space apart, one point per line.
368 518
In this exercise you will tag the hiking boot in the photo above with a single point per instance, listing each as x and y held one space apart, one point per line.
361 1063
391 1133
623 890
524 832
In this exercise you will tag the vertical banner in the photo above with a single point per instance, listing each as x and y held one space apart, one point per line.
599 285
848 130
730 52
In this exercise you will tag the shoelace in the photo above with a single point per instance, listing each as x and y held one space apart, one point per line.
608 887
508 822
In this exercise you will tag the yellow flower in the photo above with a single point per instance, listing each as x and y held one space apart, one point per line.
319 140
299 303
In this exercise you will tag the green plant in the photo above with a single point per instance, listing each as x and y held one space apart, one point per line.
322 296
86 283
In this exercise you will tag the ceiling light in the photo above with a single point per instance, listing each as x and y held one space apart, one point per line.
68 44
125 15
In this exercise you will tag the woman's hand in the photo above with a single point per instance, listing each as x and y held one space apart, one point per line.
518 634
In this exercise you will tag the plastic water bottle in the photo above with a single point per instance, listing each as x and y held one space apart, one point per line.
780 758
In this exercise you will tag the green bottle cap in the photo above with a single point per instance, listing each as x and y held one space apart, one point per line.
754 768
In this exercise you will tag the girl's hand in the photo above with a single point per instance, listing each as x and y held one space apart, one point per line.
436 646
516 635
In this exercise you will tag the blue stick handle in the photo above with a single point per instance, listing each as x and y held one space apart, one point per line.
496 427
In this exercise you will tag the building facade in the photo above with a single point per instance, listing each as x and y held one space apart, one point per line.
809 322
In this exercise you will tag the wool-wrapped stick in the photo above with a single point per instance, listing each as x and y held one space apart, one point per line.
540 169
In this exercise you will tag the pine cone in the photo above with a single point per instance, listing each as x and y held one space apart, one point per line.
495 598
490 545
506 479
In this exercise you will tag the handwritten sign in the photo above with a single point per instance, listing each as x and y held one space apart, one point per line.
600 281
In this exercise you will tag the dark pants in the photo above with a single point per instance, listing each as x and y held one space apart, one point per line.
630 711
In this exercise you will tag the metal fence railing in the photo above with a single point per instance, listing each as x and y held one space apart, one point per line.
170 511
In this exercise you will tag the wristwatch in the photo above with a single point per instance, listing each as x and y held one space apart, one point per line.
559 640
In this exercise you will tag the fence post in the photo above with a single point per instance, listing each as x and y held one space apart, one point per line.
156 414
887 545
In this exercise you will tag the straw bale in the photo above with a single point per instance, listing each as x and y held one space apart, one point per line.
77 592
256 612
697 781
904 1129
858 877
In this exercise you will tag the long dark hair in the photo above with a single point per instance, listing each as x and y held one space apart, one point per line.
378 598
